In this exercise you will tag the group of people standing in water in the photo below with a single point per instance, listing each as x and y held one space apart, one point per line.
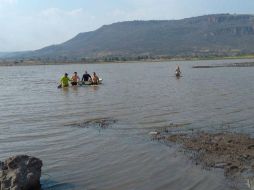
75 79
94 79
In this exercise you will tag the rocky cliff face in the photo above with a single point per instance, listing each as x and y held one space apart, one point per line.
236 31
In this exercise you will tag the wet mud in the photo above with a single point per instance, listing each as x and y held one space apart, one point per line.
247 64
101 123
232 152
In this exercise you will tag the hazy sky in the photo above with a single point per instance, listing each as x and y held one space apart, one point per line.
33 24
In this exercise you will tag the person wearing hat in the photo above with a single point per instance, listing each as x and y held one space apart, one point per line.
64 82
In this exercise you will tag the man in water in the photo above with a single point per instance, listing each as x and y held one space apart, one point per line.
95 78
86 77
75 79
64 82
178 71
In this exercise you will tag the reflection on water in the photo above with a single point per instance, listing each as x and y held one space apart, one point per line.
49 185
34 114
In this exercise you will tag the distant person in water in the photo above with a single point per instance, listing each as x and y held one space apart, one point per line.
178 71
86 77
95 78
75 79
64 81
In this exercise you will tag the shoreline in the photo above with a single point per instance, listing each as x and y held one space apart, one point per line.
228 151
34 63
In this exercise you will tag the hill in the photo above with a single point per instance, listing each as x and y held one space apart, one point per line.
209 35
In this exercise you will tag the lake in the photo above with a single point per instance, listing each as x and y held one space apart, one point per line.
136 98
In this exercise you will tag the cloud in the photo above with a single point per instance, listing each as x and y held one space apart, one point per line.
54 12
71 21
148 10
7 2
26 26
49 26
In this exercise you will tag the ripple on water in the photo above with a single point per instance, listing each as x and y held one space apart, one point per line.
36 119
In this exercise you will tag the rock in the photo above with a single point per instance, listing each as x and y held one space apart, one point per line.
251 146
154 133
232 170
220 165
20 172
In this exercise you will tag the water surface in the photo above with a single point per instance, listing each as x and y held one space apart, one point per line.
37 119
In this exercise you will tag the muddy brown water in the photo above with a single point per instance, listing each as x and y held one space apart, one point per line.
40 120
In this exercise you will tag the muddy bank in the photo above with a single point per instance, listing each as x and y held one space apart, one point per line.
229 151
246 64
101 123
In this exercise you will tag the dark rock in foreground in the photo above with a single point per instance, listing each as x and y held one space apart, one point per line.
20 172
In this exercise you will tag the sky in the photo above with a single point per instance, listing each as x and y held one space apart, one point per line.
33 24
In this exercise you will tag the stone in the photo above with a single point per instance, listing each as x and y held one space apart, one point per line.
20 172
